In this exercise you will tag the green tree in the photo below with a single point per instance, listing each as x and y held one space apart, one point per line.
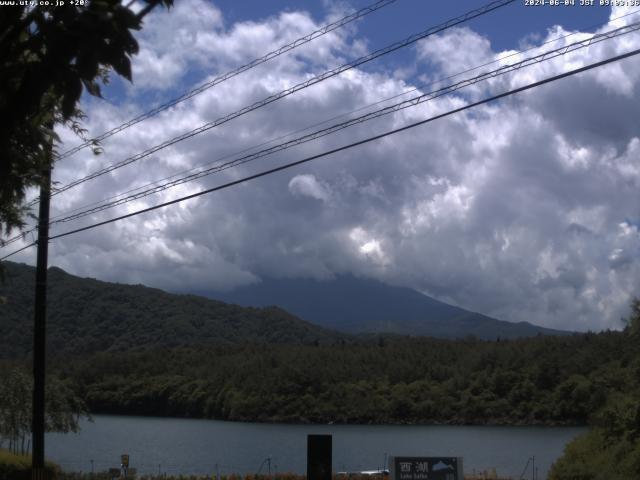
15 413
48 56
62 412
610 450
633 322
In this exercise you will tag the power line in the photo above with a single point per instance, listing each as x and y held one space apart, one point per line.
284 93
546 56
354 144
438 81
226 76
344 147
61 217
17 237
19 250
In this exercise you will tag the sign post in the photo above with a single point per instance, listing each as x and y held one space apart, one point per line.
124 462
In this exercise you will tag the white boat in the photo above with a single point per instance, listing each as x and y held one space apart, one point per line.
368 473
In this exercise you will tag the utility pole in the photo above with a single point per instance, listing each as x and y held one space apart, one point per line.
39 326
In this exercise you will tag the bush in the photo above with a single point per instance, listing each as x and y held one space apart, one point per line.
610 450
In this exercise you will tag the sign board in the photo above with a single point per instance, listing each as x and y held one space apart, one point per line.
426 468
124 460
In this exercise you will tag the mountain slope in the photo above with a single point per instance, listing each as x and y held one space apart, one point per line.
87 315
352 304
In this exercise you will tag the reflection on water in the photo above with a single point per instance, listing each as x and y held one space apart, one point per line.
205 446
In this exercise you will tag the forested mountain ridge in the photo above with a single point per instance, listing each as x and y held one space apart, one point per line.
357 305
88 315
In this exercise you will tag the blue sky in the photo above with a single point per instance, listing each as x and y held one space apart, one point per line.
506 28
526 209
510 28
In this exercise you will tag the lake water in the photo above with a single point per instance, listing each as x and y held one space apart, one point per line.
184 446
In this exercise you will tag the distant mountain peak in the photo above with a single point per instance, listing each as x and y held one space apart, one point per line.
364 305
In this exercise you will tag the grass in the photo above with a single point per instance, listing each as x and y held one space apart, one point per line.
279 476
105 476
18 467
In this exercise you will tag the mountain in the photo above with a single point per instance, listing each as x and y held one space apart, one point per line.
87 315
357 305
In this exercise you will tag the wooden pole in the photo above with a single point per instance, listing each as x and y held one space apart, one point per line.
39 327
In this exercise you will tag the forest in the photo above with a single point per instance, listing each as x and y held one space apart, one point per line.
542 380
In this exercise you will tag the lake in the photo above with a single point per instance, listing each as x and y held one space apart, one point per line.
187 446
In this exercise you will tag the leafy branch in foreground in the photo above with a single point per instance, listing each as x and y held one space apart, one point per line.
48 57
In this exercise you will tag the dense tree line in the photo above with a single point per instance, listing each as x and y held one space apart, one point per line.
542 380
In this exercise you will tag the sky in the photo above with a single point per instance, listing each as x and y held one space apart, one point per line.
525 209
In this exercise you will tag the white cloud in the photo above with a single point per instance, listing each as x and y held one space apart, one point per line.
174 41
525 209
456 50
308 185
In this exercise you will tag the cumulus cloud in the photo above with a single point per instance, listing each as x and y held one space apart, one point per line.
454 52
308 185
525 209
174 42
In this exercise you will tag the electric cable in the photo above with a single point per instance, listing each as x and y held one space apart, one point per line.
499 59
289 91
272 140
352 145
546 56
346 147
19 250
226 76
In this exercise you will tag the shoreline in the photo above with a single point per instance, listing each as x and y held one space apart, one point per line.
369 424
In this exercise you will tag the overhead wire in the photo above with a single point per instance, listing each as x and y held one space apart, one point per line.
289 91
425 97
66 216
342 115
232 73
347 146
19 250
355 144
